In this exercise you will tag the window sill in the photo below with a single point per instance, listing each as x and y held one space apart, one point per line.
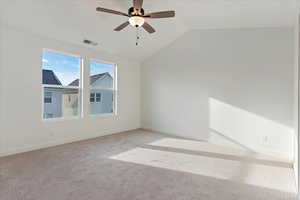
61 119
108 115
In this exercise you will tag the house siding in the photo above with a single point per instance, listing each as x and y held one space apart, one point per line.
65 101
106 103
55 107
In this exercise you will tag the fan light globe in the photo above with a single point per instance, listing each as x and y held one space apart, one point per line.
136 21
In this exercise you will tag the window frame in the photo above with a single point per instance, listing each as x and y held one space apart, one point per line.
83 87
79 87
114 88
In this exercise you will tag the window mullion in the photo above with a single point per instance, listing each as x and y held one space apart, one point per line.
85 87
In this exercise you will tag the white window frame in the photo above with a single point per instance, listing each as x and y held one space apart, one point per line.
113 89
79 87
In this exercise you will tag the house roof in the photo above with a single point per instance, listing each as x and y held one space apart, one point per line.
92 79
50 78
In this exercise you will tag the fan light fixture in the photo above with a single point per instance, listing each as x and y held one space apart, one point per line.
137 16
136 21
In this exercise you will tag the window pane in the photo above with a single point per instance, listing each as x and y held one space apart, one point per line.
60 69
101 75
65 103
104 102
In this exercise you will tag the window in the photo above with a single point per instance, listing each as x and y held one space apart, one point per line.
98 97
95 97
63 89
61 85
92 97
102 87
48 97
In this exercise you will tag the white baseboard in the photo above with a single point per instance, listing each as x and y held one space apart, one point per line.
258 149
64 141
173 134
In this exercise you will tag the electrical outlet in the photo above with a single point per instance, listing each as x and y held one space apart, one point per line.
265 139
51 134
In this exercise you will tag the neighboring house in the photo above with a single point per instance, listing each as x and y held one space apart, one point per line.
52 96
101 101
60 102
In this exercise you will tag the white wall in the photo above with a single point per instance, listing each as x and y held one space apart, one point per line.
296 99
1 94
250 70
21 94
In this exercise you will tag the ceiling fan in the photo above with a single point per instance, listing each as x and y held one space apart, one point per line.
137 16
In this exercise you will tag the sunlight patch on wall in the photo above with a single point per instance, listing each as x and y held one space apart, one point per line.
250 130
204 146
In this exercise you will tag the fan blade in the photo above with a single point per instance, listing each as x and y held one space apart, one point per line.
122 26
163 14
148 28
111 11
137 4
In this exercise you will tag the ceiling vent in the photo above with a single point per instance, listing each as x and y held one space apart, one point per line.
89 42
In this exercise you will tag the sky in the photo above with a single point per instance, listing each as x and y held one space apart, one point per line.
67 68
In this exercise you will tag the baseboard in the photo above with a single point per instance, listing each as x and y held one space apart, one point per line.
173 134
260 150
64 141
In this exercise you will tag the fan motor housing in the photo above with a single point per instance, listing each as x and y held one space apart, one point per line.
133 12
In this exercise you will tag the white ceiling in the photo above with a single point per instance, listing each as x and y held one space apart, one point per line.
74 20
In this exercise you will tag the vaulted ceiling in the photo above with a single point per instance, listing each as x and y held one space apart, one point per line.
75 20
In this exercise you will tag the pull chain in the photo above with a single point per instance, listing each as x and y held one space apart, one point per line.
137 36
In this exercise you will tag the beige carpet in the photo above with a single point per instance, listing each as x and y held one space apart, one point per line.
145 166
